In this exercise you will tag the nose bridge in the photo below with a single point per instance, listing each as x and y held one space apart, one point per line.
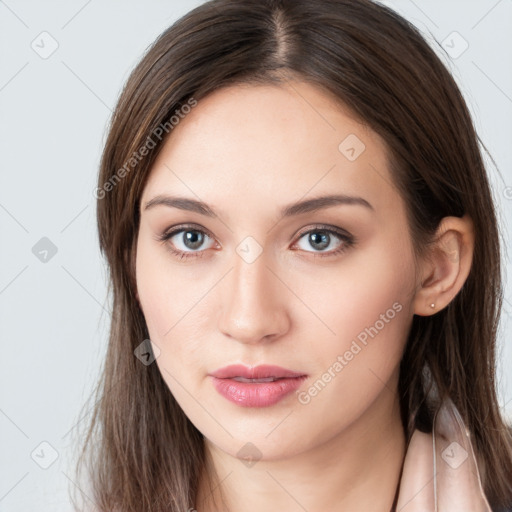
250 276
251 309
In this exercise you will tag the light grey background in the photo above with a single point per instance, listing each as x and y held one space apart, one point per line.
53 117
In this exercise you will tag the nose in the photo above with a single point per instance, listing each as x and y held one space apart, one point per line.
254 303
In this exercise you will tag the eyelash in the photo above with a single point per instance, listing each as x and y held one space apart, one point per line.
348 241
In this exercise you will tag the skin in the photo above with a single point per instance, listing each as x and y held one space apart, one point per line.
248 151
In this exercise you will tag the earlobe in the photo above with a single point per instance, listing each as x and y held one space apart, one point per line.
446 267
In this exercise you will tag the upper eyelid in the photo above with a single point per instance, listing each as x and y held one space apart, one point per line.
328 228
179 229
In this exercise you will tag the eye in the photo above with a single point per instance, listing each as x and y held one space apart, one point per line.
322 238
187 242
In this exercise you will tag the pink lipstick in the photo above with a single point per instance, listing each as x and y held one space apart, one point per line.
259 386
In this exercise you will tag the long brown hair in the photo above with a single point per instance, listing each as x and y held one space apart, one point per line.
142 452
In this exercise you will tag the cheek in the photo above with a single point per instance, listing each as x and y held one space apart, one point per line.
163 292
371 287
367 308
174 308
152 289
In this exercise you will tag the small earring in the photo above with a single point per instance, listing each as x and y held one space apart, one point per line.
432 305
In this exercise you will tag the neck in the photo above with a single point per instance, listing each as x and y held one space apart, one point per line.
358 469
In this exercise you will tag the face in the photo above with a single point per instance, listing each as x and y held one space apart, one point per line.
324 290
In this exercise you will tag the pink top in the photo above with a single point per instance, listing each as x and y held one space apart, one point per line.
440 472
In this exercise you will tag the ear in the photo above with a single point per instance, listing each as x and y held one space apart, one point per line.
446 267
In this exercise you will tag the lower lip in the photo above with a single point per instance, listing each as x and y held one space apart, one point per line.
256 394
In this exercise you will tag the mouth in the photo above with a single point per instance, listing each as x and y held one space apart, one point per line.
260 386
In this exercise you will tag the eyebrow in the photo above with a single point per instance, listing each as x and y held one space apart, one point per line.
300 207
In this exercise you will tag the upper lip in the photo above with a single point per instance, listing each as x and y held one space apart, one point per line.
255 372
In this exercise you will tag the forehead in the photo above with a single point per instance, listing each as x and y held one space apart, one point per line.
271 144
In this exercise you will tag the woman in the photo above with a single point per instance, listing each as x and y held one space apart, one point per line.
305 267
